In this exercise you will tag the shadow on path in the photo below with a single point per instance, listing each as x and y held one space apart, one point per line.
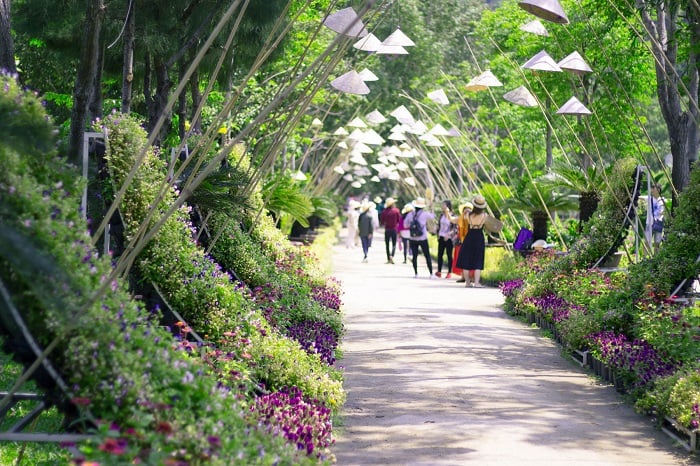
438 374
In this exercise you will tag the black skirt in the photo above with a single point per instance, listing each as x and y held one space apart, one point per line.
471 254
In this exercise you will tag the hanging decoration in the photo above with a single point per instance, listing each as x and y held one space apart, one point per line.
573 107
575 63
367 75
369 43
402 114
357 123
483 81
375 117
439 97
541 62
535 27
549 10
521 96
351 83
398 38
347 22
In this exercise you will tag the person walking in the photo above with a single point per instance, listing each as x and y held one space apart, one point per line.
473 250
365 228
446 228
390 219
658 205
419 239
353 215
403 231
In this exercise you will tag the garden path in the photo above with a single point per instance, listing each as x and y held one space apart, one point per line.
437 374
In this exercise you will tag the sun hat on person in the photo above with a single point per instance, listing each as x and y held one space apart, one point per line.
354 204
419 203
389 202
407 208
466 205
365 206
377 200
479 202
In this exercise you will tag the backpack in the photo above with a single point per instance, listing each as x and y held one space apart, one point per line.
524 240
415 228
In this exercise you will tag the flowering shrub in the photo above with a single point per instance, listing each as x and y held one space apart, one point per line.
636 361
304 422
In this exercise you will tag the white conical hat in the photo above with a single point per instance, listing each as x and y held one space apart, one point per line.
351 83
549 10
398 38
402 114
439 97
438 130
340 132
357 123
573 106
541 62
367 75
391 50
483 81
575 63
375 117
535 27
369 43
521 96
347 22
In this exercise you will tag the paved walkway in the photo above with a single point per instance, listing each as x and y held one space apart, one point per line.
438 374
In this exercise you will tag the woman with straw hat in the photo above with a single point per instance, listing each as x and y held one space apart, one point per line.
462 229
472 252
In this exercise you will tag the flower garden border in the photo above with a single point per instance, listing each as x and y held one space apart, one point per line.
687 438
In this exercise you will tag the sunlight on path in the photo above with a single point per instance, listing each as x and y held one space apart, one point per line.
437 374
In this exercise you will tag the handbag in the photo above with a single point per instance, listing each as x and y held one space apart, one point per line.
657 226
492 224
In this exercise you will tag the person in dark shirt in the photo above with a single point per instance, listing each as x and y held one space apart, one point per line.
390 219
365 228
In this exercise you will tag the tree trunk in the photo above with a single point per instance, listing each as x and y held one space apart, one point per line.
540 220
160 101
7 46
196 125
84 83
96 100
587 205
128 57
670 78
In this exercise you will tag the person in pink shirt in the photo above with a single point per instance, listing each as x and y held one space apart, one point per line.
390 219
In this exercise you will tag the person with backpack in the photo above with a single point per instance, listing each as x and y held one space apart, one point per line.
417 226
365 228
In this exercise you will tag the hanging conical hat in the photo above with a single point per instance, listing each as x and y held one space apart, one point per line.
346 22
573 107
367 75
351 83
541 62
398 38
391 50
338 169
410 181
356 184
439 97
375 117
316 122
402 114
418 127
375 179
483 81
357 123
420 165
575 63
438 130
549 10
371 137
340 132
535 27
369 43
453 132
521 96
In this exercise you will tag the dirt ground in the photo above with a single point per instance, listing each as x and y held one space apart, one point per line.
438 374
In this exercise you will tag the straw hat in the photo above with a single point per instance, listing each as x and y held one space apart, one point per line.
479 202
377 200
389 202
419 203
407 208
466 205
354 204
365 206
